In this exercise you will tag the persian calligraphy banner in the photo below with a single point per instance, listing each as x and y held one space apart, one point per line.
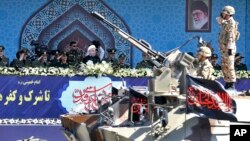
209 98
138 104
51 96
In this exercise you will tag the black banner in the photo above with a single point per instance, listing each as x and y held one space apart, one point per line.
209 98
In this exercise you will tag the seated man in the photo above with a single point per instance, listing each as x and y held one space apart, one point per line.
42 61
75 54
63 61
111 57
54 57
121 62
238 65
99 50
92 55
4 61
214 59
205 68
21 59
145 63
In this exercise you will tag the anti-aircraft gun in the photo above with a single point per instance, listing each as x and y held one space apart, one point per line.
156 57
169 65
169 71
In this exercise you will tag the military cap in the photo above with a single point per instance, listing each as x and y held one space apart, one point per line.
238 56
122 56
65 54
34 43
111 50
229 10
2 47
23 50
191 54
214 56
205 51
54 52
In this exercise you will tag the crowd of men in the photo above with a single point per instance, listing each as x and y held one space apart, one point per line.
73 56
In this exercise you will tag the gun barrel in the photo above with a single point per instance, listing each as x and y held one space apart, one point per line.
97 15
141 46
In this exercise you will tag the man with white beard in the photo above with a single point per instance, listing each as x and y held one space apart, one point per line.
199 11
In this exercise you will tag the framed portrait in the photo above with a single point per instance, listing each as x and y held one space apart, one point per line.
198 15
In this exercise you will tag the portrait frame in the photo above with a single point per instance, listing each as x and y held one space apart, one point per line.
198 16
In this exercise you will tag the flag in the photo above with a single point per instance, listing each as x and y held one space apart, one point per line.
209 98
137 103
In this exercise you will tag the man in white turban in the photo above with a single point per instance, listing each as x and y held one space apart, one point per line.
92 55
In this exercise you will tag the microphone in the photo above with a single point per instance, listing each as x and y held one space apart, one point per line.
97 15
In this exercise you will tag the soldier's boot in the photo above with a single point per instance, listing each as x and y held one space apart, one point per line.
230 85
227 85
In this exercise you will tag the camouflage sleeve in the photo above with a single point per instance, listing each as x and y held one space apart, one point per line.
207 72
230 30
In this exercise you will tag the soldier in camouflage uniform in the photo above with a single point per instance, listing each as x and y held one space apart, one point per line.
54 57
121 62
75 54
205 69
145 63
111 57
4 61
42 61
227 38
63 61
21 59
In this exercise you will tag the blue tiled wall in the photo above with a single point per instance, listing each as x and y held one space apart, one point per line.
161 23
13 15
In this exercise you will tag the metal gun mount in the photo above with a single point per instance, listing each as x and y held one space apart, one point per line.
156 57
169 65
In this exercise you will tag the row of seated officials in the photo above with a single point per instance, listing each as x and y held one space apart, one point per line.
73 56
70 57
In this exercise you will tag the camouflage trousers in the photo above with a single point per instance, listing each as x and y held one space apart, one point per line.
227 64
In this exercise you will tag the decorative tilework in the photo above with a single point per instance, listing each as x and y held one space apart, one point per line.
161 22
42 121
57 15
